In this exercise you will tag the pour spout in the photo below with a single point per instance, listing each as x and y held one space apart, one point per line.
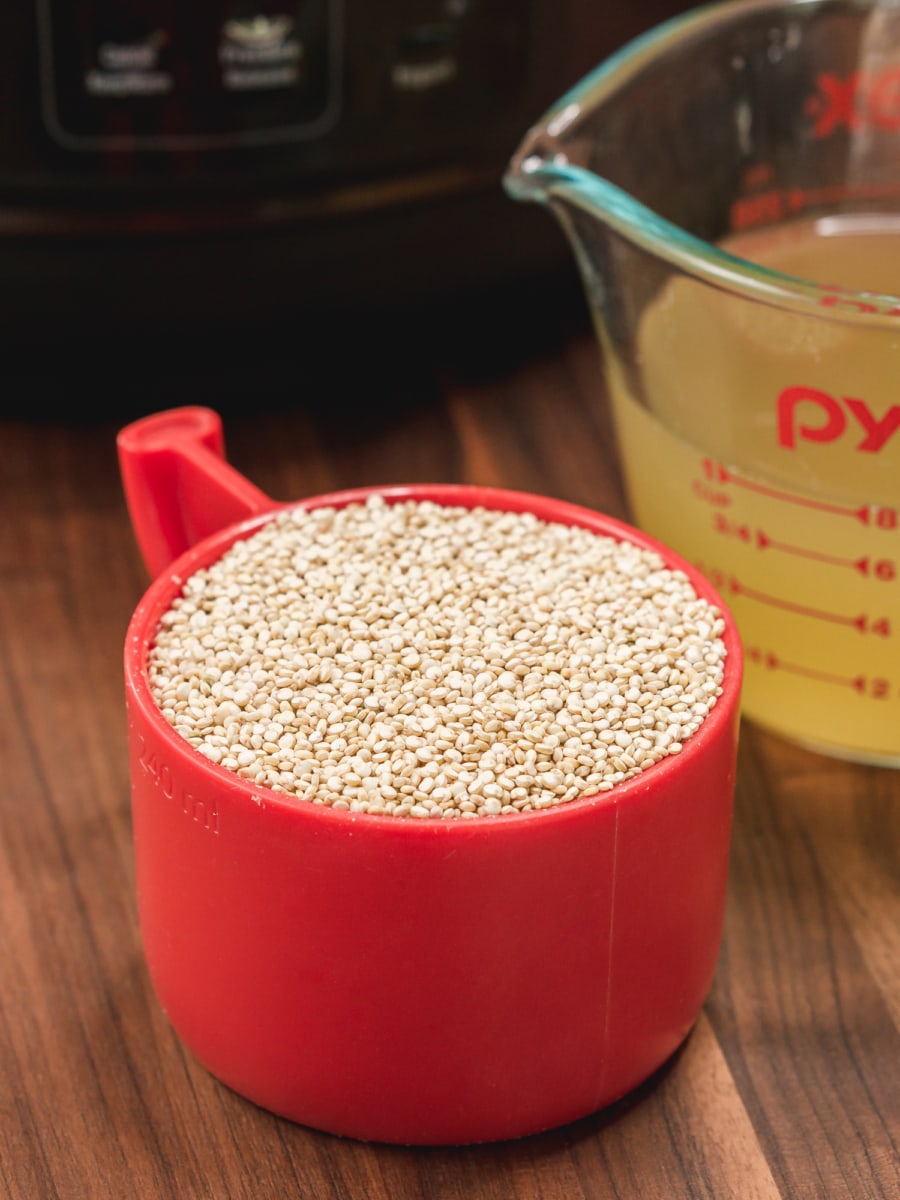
178 487
526 176
544 156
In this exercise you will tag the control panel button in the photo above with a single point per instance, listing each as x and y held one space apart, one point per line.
158 75
136 67
260 53
427 56
456 57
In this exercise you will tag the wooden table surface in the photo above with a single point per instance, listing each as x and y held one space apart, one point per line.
789 1084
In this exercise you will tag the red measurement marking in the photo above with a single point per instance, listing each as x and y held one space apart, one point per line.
868 514
797 199
764 542
722 524
757 175
837 193
765 658
738 589
724 475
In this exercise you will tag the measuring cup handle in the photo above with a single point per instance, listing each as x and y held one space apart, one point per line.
178 487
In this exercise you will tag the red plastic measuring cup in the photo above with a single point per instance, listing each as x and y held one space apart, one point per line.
418 982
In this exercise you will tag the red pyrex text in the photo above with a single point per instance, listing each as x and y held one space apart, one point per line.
855 101
811 415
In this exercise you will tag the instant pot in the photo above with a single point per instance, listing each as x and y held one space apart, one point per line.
237 160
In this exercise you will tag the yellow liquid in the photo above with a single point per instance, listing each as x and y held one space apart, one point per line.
767 452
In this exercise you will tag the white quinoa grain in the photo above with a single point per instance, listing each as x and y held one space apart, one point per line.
422 661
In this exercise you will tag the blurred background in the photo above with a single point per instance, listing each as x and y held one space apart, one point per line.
292 211
267 181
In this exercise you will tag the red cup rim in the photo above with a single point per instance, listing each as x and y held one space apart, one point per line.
159 596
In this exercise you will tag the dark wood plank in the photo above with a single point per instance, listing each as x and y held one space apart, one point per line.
788 1087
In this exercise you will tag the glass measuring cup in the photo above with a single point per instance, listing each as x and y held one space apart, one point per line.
730 182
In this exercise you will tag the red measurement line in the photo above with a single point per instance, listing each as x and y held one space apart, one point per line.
819 676
798 198
764 542
773 663
764 598
842 510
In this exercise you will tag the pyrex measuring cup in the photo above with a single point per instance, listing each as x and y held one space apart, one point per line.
401 980
730 182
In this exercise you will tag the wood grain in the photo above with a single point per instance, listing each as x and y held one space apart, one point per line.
789 1085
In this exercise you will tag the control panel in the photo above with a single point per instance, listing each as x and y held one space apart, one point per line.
143 76
158 74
